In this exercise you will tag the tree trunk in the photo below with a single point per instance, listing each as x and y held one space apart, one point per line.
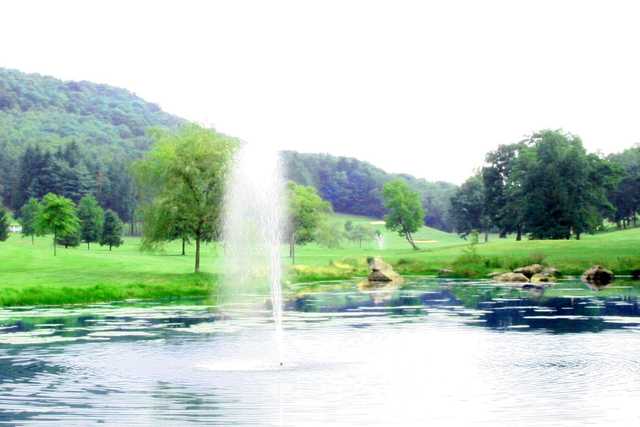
109 247
577 236
197 268
503 234
54 243
292 250
88 246
183 253
519 233
32 240
486 236
409 238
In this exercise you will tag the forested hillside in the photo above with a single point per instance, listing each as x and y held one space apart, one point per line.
71 138
77 138
355 187
35 109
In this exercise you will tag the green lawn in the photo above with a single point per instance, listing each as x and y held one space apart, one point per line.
30 274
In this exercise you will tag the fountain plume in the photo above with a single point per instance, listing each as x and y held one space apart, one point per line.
253 227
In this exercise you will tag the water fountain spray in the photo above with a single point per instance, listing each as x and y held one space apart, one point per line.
253 227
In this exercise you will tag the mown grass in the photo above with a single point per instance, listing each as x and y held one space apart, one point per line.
30 274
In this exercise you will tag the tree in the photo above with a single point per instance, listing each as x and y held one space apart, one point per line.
566 188
502 190
405 213
163 223
91 219
467 207
329 234
186 172
57 215
71 239
111 230
28 215
4 224
306 212
361 233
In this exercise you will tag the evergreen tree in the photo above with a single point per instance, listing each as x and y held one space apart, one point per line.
4 224
28 216
111 230
57 215
91 219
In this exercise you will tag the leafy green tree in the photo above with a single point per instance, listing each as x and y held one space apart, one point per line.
185 172
91 219
362 233
163 223
111 230
57 215
502 190
625 195
329 234
405 213
566 188
28 216
4 224
71 239
468 207
307 211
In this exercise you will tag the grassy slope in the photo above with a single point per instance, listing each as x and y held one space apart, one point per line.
31 275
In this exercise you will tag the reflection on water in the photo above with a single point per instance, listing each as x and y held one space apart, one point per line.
442 352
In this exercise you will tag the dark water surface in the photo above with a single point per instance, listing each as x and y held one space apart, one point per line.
434 352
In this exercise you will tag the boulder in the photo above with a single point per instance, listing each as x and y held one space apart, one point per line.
530 270
553 272
598 276
512 278
380 271
495 274
543 278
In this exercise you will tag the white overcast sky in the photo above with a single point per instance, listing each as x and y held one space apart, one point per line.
420 87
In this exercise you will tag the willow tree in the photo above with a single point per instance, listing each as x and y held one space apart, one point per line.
184 174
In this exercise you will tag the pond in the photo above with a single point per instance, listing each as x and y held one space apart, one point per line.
441 352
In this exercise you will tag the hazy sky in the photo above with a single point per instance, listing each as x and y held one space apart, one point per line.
420 87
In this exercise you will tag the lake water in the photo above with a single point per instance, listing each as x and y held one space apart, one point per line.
431 353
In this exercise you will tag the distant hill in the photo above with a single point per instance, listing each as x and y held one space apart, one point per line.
355 187
96 129
36 109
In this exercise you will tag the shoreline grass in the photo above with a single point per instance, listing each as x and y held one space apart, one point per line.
31 275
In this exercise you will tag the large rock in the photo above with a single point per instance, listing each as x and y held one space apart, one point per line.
512 278
380 271
552 272
598 276
543 278
530 270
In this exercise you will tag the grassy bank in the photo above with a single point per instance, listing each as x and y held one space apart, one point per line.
30 274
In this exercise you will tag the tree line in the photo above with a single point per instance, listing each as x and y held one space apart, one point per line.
68 223
549 187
